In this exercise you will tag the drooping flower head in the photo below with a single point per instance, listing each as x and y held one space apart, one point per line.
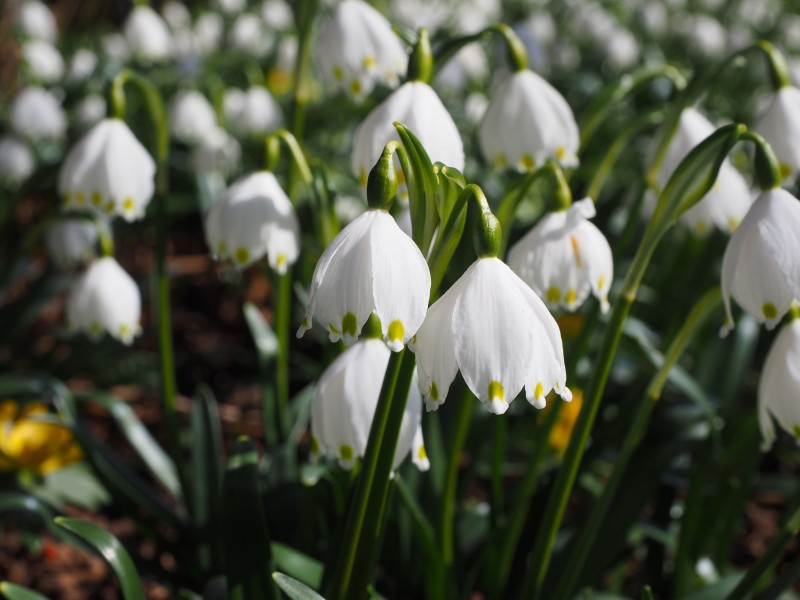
780 126
344 405
252 112
527 123
16 161
779 386
71 242
191 116
105 299
36 115
564 257
253 218
357 49
761 266
147 35
108 171
727 201
371 267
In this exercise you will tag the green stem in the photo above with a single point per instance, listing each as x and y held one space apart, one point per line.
765 164
508 537
349 573
704 308
448 500
767 560
283 314
305 16
158 115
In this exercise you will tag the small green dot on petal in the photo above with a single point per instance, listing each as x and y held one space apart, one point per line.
553 294
396 331
769 310
349 324
346 452
242 255
496 391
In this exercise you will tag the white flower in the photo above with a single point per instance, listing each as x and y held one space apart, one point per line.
761 266
43 61
371 266
191 116
90 111
528 123
115 47
109 171
208 30
253 112
249 35
493 328
217 151
357 49
36 115
727 201
148 36
253 218
475 107
277 14
780 126
344 404
81 65
779 386
16 161
468 64
71 242
417 106
36 21
230 7
565 257
105 299
176 15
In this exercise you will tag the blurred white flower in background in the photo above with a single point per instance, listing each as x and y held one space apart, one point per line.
115 48
417 106
36 115
176 15
254 218
564 257
469 64
277 14
43 62
148 37
105 299
252 112
345 399
475 107
779 386
89 111
494 329
81 66
16 161
761 266
780 126
108 171
231 7
71 241
249 35
416 14
191 116
357 48
209 29
704 34
36 21
217 151
527 123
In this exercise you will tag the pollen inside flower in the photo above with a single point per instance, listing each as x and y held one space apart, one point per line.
769 310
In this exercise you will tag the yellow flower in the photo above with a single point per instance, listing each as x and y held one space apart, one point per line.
562 429
27 443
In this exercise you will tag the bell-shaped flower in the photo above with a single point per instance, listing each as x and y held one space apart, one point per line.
89 111
253 218
71 242
527 123
176 15
81 66
109 171
16 161
43 62
357 49
36 115
249 35
417 106
191 116
494 329
148 37
779 386
36 21
780 126
761 266
105 299
277 14
565 257
727 201
230 7
344 404
217 152
208 31
370 267
252 112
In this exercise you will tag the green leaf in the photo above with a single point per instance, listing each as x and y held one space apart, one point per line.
300 566
206 474
248 557
264 337
110 549
453 219
17 592
294 589
155 459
